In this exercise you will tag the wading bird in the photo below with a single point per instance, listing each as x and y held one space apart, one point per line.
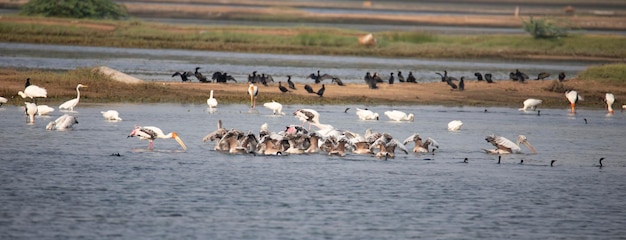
212 102
573 97
277 108
609 99
399 116
70 104
531 103
63 122
30 110
151 133
253 91
366 114
44 110
111 115
33 91
504 145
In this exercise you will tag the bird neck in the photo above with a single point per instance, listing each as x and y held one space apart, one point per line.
77 93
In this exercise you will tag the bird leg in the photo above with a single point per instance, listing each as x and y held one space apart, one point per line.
151 145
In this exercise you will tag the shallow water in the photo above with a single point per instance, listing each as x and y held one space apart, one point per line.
160 64
66 184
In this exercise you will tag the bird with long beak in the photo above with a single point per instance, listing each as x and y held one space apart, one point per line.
253 91
504 145
573 98
609 98
151 133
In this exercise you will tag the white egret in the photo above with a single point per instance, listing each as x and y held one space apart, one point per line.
212 102
70 104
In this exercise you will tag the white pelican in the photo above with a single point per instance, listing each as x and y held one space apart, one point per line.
3 100
277 108
366 114
70 104
504 145
151 133
44 110
455 125
573 98
212 102
111 115
253 91
30 110
63 122
33 91
308 115
609 98
531 103
399 116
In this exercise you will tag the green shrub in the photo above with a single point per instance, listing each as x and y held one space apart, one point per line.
98 9
544 28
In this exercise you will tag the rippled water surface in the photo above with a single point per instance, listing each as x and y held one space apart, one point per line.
66 184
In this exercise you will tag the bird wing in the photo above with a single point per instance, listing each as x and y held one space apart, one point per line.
411 138
503 143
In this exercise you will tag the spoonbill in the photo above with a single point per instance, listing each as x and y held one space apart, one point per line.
111 115
277 108
366 114
151 133
63 122
504 145
609 98
70 104
531 103
399 116
44 110
30 110
33 91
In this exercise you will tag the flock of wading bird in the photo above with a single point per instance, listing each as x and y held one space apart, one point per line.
297 139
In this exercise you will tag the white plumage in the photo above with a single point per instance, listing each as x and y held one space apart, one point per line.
33 91
44 110
63 122
366 114
455 125
111 115
277 108
609 98
212 102
3 100
31 110
70 104
151 133
399 116
573 97
531 103
504 145
253 91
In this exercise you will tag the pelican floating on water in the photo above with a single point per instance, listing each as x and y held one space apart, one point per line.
399 116
531 103
420 146
212 102
277 108
70 104
504 145
111 115
63 122
573 98
455 125
151 133
609 98
366 114
308 115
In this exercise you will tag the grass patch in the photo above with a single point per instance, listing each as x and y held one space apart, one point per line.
611 73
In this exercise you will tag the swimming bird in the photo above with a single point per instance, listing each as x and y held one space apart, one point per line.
70 104
609 99
600 162
465 160
542 75
282 88
44 110
561 76
346 111
184 76
366 114
216 135
277 108
399 116
308 88
33 91
3 100
308 116
531 103
152 133
320 92
111 115
212 102
290 83
421 146
455 125
30 110
573 98
504 145
552 163
253 91
63 122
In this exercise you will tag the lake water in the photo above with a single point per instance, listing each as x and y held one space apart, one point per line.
66 184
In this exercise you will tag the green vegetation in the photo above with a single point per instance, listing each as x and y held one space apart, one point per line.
97 9
303 40
544 28
613 73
